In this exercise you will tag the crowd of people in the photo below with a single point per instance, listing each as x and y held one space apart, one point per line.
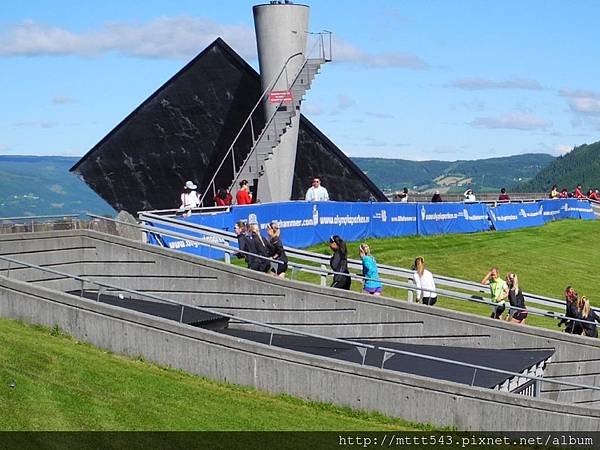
190 198
258 250
503 290
592 194
267 254
578 307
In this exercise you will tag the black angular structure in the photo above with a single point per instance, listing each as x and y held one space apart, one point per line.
182 131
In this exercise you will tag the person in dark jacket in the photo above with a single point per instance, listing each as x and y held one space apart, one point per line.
241 231
516 300
436 198
274 233
260 246
570 309
339 263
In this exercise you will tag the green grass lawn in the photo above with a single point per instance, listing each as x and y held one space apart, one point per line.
62 384
546 259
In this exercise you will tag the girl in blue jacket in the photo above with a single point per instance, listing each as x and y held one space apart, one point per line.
371 284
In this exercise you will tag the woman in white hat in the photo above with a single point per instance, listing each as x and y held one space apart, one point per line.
189 198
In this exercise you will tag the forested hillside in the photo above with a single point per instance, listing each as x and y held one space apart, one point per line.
42 185
579 166
482 174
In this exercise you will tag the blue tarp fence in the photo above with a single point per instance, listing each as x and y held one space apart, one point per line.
306 223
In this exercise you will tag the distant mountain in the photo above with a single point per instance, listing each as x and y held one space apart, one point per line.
579 166
42 185
483 175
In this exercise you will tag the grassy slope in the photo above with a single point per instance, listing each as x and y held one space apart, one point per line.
546 259
62 384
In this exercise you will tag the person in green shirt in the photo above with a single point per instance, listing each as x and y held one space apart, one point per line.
498 291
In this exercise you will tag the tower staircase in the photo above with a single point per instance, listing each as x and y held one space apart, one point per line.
264 142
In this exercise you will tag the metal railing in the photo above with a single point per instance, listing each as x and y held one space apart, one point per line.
360 347
248 121
32 220
477 288
323 272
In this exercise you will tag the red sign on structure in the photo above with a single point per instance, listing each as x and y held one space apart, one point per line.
280 96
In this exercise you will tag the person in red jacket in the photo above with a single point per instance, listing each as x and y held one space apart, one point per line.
593 195
223 198
244 196
578 193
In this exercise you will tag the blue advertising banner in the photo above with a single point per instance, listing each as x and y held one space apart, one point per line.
440 218
393 219
576 209
509 216
307 223
188 245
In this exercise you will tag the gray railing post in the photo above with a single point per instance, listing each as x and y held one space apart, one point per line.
363 354
181 315
227 258
82 288
324 275
474 375
410 293
8 270
271 339
32 225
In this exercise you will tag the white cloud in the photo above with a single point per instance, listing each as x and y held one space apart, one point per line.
312 109
345 102
164 37
63 100
168 37
372 142
513 121
379 115
478 84
36 124
582 102
345 52
554 149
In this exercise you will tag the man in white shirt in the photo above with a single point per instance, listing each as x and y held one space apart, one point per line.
317 193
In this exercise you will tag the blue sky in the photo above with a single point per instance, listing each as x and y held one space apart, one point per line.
410 79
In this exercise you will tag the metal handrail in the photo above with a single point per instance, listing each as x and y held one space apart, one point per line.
248 120
39 217
265 128
269 121
183 305
383 268
325 272
351 343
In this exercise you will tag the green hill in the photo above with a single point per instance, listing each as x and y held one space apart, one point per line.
484 175
579 166
42 185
